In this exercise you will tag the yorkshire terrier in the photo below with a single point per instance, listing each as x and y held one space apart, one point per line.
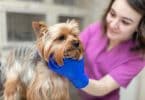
26 75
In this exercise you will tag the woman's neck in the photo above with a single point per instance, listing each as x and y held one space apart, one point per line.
112 44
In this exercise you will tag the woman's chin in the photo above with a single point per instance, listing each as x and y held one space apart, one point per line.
111 36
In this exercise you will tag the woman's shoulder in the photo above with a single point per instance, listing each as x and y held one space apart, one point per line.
95 26
93 29
91 32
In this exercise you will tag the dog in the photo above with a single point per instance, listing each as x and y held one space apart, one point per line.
26 75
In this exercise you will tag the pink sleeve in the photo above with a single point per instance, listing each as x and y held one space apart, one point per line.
87 33
124 73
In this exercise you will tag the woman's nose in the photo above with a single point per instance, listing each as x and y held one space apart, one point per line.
114 24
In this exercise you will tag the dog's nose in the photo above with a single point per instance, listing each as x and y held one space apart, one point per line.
75 43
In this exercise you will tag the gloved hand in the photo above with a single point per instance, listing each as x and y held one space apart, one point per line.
72 69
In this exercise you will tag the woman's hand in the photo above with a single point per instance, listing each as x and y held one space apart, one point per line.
72 69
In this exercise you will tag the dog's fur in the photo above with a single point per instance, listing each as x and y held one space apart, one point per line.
27 76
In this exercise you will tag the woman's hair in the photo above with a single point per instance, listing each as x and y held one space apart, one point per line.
139 36
104 25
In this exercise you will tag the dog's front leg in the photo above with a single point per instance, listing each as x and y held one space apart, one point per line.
12 89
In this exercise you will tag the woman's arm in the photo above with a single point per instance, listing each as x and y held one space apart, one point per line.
74 71
101 87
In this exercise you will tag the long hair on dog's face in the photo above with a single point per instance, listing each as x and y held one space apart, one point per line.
60 40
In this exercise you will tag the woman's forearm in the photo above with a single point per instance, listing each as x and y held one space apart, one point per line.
101 87
95 88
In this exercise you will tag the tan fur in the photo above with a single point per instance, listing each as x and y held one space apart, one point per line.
27 74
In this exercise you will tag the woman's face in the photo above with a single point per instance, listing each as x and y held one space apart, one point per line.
122 21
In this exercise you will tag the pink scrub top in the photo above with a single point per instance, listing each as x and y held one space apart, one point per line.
120 63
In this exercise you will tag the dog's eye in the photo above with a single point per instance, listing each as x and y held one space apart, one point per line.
75 35
62 37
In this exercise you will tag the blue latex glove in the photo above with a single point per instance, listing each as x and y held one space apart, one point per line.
72 69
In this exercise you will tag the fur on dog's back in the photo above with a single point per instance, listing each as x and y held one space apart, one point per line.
34 80
22 61
22 56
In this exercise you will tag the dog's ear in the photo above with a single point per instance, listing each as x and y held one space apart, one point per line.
73 22
74 25
39 28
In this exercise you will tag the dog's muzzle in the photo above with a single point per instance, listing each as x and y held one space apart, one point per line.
76 43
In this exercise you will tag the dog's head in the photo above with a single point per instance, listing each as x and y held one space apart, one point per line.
60 41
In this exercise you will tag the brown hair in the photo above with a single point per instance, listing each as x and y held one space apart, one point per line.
138 37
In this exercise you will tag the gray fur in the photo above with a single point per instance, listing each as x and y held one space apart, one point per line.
25 57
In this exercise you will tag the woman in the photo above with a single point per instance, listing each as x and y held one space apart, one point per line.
114 50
